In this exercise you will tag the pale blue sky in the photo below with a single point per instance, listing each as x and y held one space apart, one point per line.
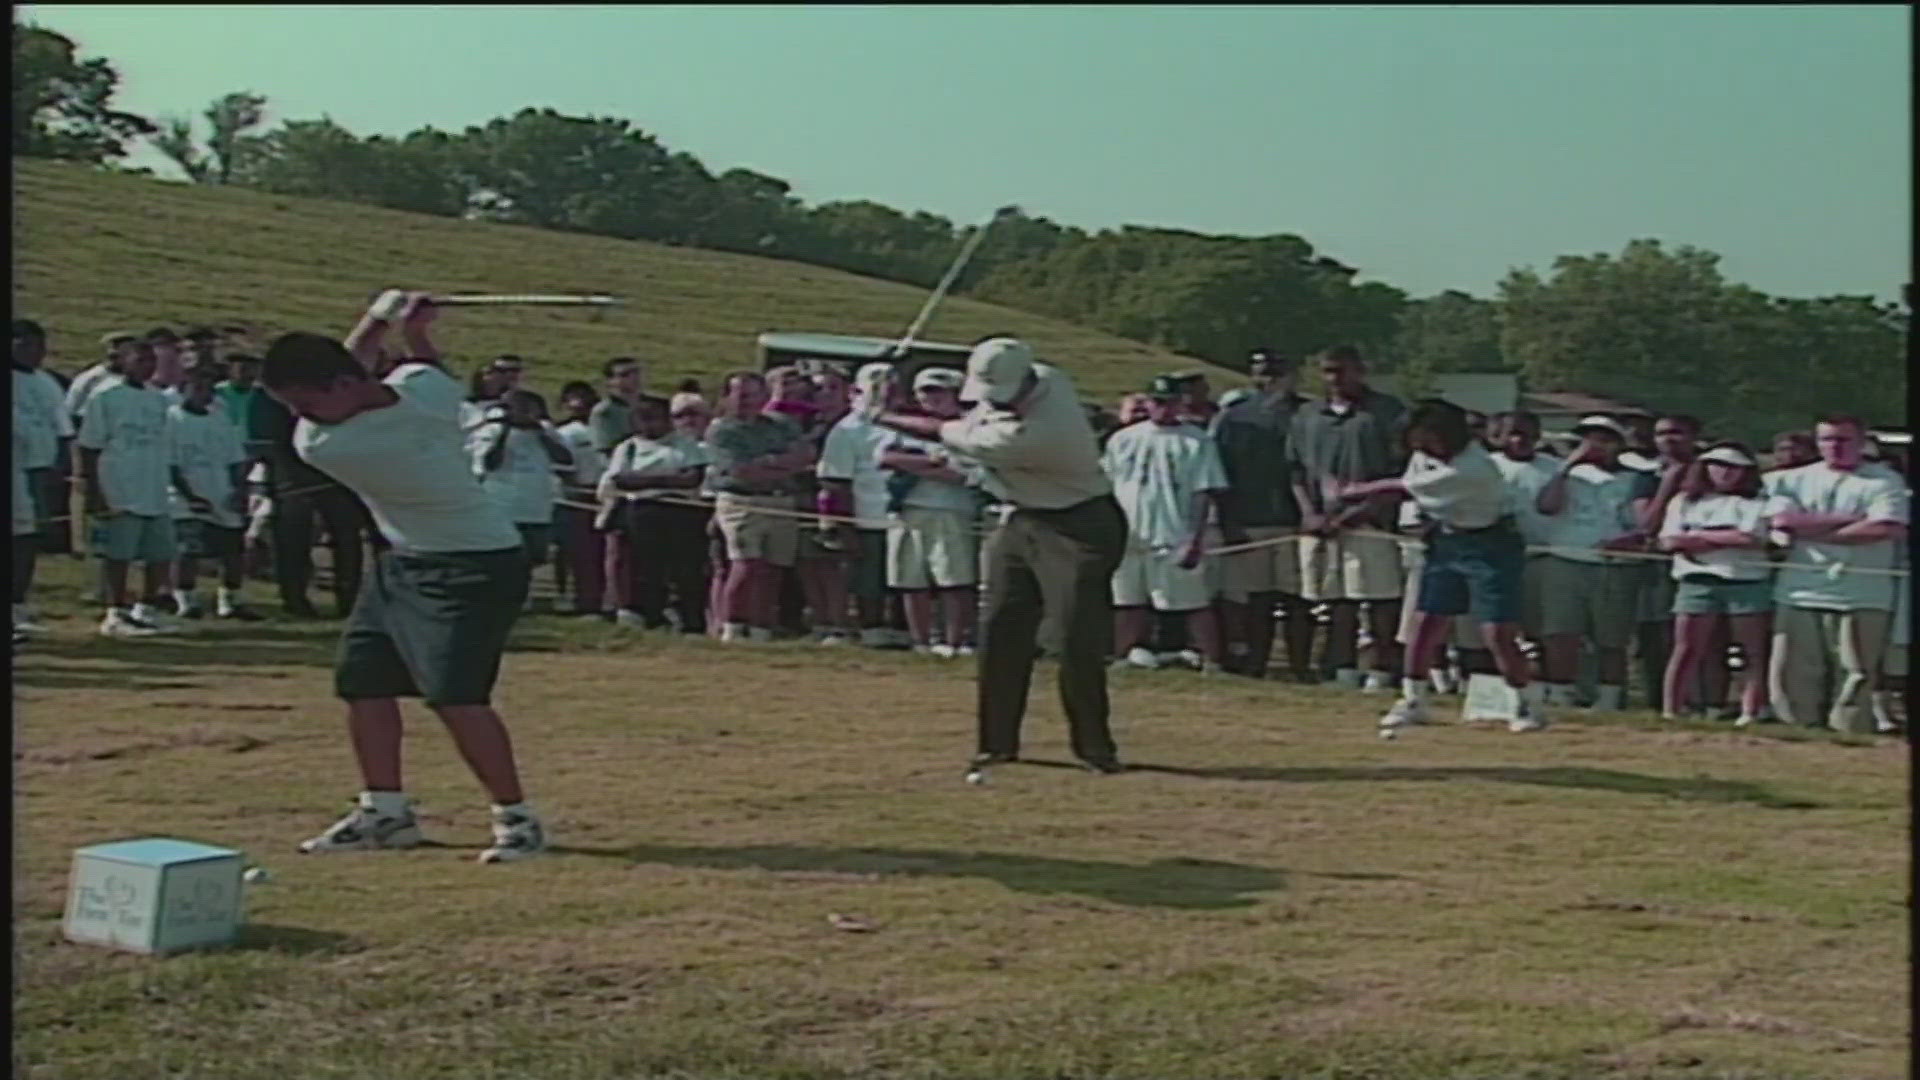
1431 147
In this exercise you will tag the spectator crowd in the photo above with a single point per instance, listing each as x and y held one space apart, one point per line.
1665 569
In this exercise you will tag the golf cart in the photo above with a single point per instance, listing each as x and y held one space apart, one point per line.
847 353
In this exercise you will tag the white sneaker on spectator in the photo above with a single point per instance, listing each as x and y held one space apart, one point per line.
1746 721
963 650
923 650
1443 681
120 623
366 829
944 651
25 621
517 834
1378 682
1527 717
1405 713
835 638
155 618
733 632
1190 658
1141 657
629 619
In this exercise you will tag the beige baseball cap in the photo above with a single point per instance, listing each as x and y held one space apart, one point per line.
1727 455
1600 422
995 370
945 378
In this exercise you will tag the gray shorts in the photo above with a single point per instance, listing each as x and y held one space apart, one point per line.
432 625
137 538
1591 600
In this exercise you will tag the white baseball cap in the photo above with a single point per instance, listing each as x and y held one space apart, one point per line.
867 382
1598 422
995 370
1727 455
944 378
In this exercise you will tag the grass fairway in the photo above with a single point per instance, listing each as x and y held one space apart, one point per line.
1276 893
97 252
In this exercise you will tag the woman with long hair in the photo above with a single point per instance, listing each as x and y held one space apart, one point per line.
1716 530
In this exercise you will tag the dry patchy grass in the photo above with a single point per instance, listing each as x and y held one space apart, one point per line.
1273 893
97 252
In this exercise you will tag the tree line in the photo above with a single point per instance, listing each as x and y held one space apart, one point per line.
1649 324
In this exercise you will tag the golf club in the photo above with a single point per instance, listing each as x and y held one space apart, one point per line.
528 299
946 281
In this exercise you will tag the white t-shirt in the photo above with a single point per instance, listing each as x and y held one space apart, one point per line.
88 383
407 464
929 494
1524 480
1157 471
128 425
852 452
1719 512
40 414
1874 492
206 447
523 485
431 387
652 457
588 462
1466 492
1599 507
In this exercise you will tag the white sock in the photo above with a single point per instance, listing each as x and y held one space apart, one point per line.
183 597
1609 698
1414 689
521 808
226 598
390 804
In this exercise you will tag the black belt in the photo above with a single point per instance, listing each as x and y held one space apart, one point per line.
1503 527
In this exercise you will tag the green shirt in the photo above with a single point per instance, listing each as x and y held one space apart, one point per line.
732 442
1252 437
236 401
1364 443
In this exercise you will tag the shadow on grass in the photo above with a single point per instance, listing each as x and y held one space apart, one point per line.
1172 883
292 940
181 655
1692 789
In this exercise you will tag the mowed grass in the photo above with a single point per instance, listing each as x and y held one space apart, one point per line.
1274 893
96 252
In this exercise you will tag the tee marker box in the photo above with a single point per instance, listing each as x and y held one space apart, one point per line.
154 896
1489 698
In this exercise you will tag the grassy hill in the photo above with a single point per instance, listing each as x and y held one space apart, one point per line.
96 252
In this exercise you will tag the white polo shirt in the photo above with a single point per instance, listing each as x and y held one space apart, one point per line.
1465 491
1714 512
851 453
206 447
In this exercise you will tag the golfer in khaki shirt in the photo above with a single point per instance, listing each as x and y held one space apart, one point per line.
1057 549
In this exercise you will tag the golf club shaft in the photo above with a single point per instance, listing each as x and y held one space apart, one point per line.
530 299
946 282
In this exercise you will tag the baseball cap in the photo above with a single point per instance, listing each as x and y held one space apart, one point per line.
995 369
115 338
685 400
1166 386
1728 455
944 378
1598 422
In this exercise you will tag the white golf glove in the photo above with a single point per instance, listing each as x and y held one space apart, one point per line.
388 306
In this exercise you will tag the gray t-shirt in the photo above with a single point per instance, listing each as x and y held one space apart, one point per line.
1252 437
1361 442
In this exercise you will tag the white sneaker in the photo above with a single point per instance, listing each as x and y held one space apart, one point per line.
923 650
1405 713
733 632
1526 718
122 624
1142 658
365 830
1378 682
1190 658
628 619
1745 721
147 613
944 651
1442 681
962 650
517 834
835 639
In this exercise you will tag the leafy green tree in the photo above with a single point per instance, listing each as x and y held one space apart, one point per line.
63 105
231 120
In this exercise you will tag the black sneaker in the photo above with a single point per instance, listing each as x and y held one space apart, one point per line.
1103 766
981 761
